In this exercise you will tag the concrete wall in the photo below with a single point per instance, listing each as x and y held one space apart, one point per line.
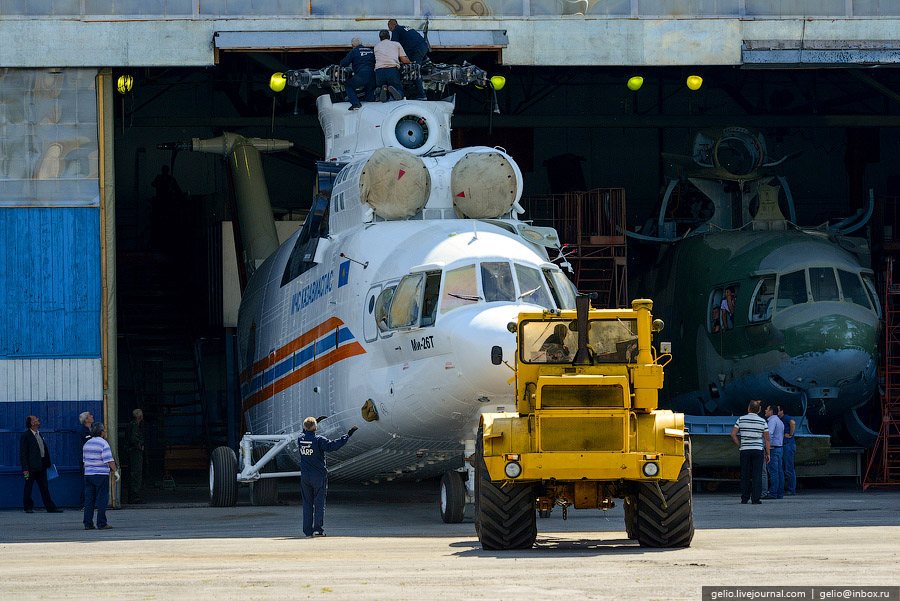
639 42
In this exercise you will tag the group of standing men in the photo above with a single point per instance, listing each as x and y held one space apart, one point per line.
97 465
380 68
766 442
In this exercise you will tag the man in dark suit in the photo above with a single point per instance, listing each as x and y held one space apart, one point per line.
34 455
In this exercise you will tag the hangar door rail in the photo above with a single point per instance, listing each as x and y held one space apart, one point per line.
591 225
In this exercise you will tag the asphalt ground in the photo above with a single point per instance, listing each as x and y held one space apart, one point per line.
387 542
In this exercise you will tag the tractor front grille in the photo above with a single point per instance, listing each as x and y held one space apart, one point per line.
594 433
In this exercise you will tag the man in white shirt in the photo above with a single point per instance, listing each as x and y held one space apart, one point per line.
753 442
388 57
98 463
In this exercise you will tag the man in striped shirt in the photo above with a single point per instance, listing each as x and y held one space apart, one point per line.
755 451
98 463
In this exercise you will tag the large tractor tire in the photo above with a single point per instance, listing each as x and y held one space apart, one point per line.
504 516
670 524
265 490
453 497
630 504
223 478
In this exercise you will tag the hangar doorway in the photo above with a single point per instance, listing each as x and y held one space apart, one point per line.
170 238
178 284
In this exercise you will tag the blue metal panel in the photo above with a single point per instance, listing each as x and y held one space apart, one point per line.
50 285
59 425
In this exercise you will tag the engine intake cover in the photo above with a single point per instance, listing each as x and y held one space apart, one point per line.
483 185
395 183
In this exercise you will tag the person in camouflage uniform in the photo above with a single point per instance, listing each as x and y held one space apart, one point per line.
134 447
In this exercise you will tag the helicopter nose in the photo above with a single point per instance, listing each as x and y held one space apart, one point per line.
844 328
473 334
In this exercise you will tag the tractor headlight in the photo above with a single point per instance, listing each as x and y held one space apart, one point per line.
513 469
651 469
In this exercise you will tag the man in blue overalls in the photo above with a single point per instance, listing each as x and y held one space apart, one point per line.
362 60
314 475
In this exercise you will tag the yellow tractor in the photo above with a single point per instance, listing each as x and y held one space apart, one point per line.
586 430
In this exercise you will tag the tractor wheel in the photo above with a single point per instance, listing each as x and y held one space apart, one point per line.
223 478
453 497
504 516
630 503
671 525
265 490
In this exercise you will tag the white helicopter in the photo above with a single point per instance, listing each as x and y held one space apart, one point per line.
382 310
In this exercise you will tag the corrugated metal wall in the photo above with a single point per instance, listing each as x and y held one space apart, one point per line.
50 281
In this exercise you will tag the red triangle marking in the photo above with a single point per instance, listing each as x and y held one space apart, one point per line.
402 173
461 195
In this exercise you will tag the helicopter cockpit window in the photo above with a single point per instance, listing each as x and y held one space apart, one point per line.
430 298
555 342
532 288
497 282
791 290
824 286
763 300
721 309
852 288
404 311
460 288
873 296
382 306
314 228
561 288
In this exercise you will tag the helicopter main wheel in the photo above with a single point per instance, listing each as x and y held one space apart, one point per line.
265 490
223 478
669 524
504 517
453 497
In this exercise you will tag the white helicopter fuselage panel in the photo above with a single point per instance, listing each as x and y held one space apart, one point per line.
311 346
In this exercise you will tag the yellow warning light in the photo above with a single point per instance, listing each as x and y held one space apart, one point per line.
124 84
694 82
498 81
277 82
635 83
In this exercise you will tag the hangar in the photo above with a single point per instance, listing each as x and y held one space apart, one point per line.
114 289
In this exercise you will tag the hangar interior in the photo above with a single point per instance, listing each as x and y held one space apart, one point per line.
834 116
839 127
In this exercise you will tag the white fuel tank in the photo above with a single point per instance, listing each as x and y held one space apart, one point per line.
395 183
484 185
471 183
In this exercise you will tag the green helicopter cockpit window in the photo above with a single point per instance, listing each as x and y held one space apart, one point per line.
791 290
823 284
853 289
873 296
763 301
